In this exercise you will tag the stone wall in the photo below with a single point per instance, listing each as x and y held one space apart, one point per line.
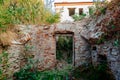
44 43
111 52
14 58
39 43
92 33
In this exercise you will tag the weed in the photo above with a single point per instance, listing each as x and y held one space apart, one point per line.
64 49
91 10
15 12
30 72
77 17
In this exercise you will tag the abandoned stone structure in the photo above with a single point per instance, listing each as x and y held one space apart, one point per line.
39 42
42 45
104 52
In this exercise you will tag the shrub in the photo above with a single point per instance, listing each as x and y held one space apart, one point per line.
24 12
29 72
77 17
53 18
15 12
100 7
91 11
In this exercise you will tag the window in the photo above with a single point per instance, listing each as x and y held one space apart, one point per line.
71 11
64 48
80 11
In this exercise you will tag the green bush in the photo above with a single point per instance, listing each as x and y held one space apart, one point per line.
91 10
77 17
53 18
30 72
25 12
37 75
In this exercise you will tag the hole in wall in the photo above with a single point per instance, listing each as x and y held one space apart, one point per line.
102 58
64 48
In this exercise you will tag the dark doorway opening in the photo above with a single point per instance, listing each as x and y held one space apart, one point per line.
65 48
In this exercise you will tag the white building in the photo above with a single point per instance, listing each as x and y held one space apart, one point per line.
67 8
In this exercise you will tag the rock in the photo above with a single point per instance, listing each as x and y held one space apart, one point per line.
114 52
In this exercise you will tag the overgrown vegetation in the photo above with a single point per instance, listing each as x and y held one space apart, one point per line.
91 10
26 74
85 72
99 8
33 12
15 12
31 72
89 72
77 17
96 10
110 23
64 49
25 12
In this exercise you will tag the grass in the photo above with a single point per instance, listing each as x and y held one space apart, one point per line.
25 12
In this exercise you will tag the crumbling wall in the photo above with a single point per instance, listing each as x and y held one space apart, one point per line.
111 52
107 47
103 40
38 42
